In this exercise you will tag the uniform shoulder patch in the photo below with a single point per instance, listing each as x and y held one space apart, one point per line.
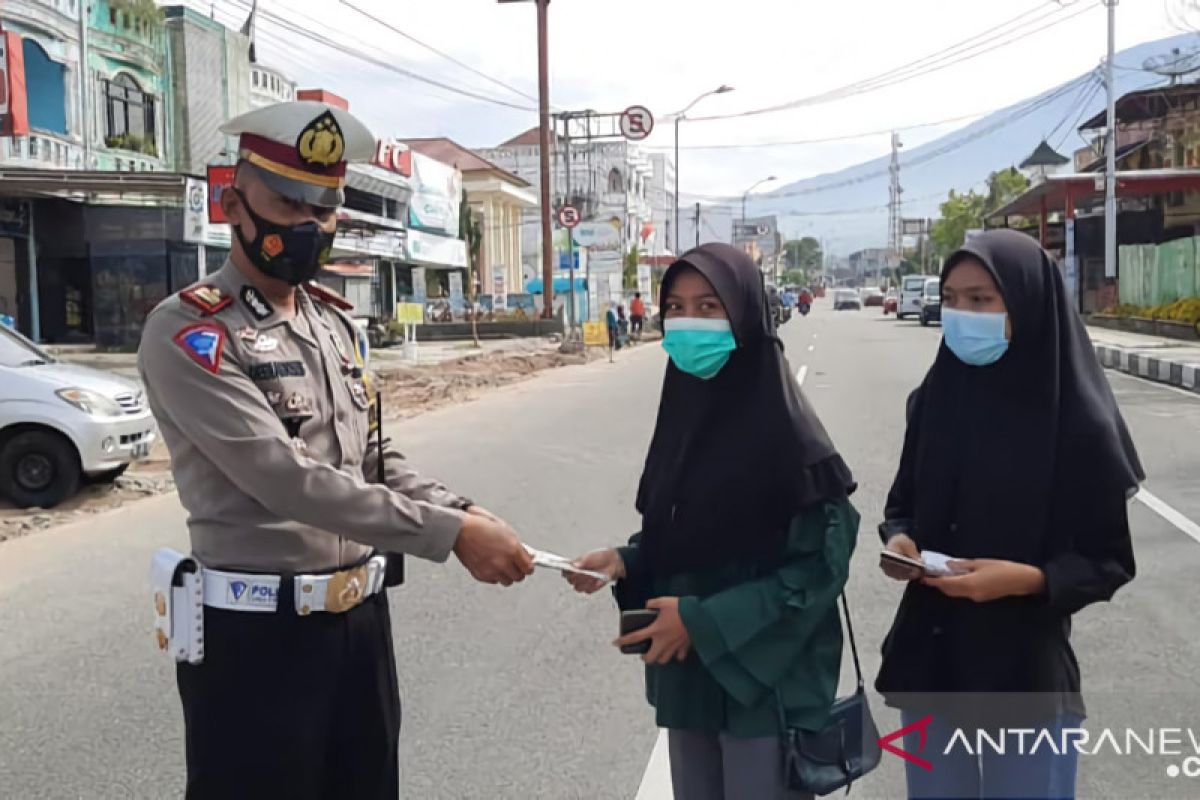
207 298
203 343
327 295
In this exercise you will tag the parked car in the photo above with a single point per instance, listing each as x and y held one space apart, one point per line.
845 299
872 296
63 423
911 289
890 303
931 302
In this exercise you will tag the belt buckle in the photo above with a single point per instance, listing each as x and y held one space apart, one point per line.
346 589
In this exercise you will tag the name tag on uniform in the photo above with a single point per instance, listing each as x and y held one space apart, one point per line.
269 370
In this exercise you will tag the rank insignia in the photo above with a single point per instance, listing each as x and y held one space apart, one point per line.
321 143
256 303
208 299
248 335
202 343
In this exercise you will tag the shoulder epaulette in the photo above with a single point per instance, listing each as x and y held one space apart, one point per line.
208 299
327 295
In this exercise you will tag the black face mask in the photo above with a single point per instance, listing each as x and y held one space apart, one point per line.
292 254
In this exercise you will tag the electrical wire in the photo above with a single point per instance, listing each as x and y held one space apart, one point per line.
1083 110
1019 113
438 52
935 62
1080 101
299 30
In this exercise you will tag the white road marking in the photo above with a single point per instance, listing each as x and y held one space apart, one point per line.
802 374
1169 514
656 781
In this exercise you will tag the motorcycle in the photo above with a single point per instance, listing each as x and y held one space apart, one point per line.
804 308
782 315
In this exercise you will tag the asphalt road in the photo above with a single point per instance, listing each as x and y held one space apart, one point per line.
517 693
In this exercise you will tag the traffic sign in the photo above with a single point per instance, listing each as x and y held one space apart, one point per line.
568 216
636 123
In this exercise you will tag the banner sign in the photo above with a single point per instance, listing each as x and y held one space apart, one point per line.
437 195
195 211
220 178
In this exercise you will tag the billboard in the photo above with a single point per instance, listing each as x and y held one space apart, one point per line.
437 195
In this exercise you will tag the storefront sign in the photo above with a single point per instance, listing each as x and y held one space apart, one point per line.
393 156
410 313
643 279
499 290
595 334
195 211
437 195
599 235
436 251
14 104
420 292
220 178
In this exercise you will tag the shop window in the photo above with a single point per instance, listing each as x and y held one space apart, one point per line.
256 77
615 183
46 89
129 113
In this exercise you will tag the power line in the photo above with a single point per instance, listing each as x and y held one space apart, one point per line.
1083 110
347 50
1080 101
949 147
929 64
438 52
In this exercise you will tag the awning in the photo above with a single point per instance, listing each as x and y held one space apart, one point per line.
1052 193
378 181
92 185
350 269
560 285
1124 150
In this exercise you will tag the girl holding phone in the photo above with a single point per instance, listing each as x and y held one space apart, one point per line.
1017 461
745 542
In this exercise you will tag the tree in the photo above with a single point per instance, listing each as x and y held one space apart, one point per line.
803 254
795 277
964 212
629 273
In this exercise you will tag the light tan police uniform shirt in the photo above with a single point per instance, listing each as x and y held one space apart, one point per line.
266 420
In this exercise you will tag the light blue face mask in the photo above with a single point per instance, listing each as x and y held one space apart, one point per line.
699 347
977 338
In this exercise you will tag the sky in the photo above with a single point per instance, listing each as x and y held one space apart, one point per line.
609 54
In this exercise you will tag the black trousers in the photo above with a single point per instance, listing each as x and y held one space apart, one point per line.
291 706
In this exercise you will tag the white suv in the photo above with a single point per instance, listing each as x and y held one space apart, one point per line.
60 423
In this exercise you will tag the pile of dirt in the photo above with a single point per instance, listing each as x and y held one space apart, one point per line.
91 499
412 390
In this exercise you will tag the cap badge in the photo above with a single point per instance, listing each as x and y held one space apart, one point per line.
321 143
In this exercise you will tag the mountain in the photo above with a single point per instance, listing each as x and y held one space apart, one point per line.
959 160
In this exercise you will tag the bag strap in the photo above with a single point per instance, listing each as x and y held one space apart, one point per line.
853 652
853 644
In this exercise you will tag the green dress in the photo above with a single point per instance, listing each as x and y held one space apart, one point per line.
757 634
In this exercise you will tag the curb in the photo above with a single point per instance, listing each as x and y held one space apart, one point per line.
1179 374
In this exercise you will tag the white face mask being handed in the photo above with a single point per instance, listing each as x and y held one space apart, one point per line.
977 338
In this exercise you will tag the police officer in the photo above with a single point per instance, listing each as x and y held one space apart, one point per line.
257 378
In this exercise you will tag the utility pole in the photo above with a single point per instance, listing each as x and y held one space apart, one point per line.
697 224
895 226
544 117
566 118
1110 147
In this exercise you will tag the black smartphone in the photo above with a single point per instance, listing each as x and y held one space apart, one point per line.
634 621
902 567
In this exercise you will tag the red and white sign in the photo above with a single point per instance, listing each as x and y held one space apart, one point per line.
568 216
14 104
220 178
636 123
393 156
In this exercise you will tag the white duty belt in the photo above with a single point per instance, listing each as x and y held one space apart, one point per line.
333 593
178 605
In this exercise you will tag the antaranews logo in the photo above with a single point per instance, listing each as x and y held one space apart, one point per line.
1182 745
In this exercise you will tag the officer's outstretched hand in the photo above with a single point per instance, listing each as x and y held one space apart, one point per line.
491 551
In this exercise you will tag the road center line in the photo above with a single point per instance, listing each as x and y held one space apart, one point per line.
1169 514
656 781
802 374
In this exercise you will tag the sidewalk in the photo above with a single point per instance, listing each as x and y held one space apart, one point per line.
1170 361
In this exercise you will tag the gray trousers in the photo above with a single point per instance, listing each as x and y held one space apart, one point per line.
705 766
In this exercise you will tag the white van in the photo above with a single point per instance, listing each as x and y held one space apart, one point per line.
911 291
63 423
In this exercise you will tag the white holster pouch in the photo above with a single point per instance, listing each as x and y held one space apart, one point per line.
178 605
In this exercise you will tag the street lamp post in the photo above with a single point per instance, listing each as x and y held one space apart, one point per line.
679 117
746 194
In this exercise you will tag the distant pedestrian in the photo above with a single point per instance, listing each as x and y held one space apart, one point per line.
1017 462
637 315
622 328
745 540
611 321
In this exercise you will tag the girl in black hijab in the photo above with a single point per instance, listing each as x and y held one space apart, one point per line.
745 542
1017 462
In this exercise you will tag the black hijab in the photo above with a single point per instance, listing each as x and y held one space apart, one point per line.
735 457
1006 461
